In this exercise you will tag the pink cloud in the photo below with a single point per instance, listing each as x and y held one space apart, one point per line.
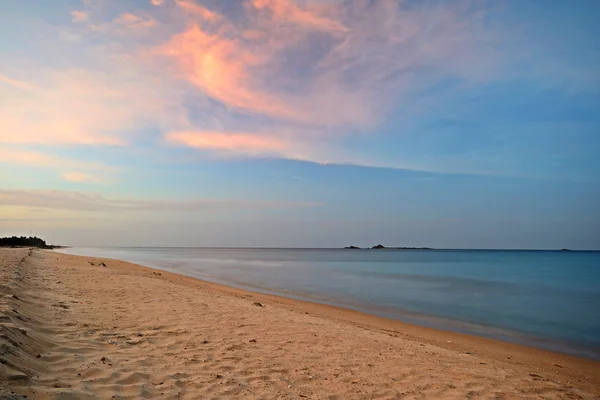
157 2
287 10
198 10
315 70
220 67
71 170
239 143
260 145
265 65
253 34
225 69
82 201
80 177
15 83
133 21
366 63
86 107
79 16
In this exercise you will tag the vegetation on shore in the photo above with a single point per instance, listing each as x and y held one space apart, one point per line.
24 241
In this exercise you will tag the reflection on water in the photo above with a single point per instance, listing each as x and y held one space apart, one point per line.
548 299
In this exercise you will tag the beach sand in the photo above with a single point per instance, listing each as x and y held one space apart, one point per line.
72 330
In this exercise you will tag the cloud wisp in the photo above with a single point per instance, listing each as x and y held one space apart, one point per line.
70 170
242 143
93 202
79 16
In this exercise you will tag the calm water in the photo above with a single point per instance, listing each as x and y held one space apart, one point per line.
542 298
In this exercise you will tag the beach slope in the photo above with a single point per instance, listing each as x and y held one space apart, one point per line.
77 328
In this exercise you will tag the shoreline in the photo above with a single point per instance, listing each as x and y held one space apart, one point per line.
441 323
524 365
460 341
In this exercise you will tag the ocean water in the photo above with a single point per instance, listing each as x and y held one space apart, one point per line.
547 299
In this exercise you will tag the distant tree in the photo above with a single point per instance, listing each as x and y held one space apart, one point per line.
31 241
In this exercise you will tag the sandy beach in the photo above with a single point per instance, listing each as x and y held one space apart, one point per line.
78 327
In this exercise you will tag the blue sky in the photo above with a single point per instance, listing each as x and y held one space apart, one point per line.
469 124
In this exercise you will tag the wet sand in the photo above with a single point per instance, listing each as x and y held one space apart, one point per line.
71 328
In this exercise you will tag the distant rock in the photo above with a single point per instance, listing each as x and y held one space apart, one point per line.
379 246
352 247
565 249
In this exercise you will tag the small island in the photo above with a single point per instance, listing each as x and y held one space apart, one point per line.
380 247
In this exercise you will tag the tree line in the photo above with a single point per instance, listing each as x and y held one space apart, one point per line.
31 241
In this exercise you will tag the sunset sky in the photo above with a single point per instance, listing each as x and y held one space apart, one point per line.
307 123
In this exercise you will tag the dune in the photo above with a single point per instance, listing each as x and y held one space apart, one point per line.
81 328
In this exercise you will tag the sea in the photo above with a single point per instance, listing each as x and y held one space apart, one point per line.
545 299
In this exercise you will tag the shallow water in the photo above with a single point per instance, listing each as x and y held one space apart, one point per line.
548 299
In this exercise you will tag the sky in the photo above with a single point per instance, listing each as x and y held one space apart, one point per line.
301 123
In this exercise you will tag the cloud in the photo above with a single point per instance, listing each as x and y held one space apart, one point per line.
132 21
219 67
267 78
198 10
236 75
36 158
157 2
87 107
269 145
326 66
81 177
311 73
71 170
79 16
17 84
322 70
239 143
80 201
287 10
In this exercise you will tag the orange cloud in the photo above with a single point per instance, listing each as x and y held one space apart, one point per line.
198 10
79 16
157 2
287 10
240 143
